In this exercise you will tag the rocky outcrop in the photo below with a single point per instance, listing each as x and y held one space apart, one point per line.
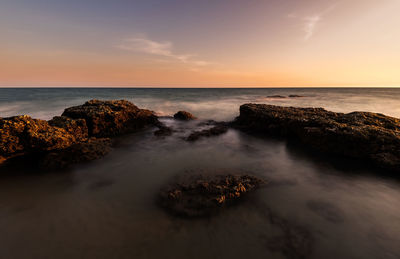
76 136
203 195
184 115
218 129
22 135
111 118
362 135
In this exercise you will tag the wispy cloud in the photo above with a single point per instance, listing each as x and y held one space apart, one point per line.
163 49
310 23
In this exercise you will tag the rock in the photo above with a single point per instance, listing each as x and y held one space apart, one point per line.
295 96
362 135
93 148
71 138
183 115
203 195
22 134
163 131
276 96
214 131
111 118
76 127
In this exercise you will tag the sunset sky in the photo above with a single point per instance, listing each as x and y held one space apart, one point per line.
211 43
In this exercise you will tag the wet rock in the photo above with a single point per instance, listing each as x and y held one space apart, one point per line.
163 131
92 149
214 131
362 135
22 135
295 96
111 118
203 195
184 115
71 138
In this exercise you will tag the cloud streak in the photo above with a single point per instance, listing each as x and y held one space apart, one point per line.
163 49
310 23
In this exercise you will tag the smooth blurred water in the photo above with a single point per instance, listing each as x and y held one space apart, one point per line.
313 207
220 104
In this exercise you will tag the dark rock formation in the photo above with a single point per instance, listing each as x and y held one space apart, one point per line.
362 135
111 118
183 115
22 134
71 138
201 195
163 131
214 131
93 148
276 96
295 96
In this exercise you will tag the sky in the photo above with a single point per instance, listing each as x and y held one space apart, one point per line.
202 43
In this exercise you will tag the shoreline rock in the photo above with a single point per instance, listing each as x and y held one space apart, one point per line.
111 118
184 116
366 136
78 135
203 195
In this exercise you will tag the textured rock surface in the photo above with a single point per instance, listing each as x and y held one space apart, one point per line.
183 115
202 195
111 118
22 134
362 135
71 138
76 127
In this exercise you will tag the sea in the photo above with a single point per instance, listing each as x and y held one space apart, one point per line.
312 207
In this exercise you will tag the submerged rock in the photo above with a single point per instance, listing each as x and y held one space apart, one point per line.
203 195
362 135
92 149
214 131
111 118
184 115
163 131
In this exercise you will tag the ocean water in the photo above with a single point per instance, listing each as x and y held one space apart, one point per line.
313 206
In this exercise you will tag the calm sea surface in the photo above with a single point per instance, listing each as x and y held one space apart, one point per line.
314 207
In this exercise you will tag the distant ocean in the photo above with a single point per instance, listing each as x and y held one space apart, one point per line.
312 207
221 104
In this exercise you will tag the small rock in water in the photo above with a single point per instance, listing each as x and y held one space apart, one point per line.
276 96
163 131
184 115
214 131
295 96
201 195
